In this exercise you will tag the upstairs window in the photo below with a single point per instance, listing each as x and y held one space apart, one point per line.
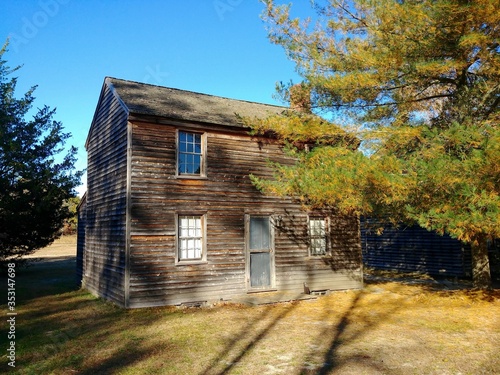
317 236
190 154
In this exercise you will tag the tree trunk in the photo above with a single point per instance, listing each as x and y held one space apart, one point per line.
481 277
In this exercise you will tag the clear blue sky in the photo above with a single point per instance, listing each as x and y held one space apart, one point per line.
67 47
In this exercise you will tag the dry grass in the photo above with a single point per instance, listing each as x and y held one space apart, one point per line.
64 246
387 328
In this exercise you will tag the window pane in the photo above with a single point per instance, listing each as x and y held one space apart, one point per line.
182 146
197 248
318 246
182 163
197 228
191 249
196 164
184 232
183 246
317 227
182 137
260 270
259 233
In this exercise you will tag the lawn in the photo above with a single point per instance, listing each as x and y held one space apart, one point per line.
390 327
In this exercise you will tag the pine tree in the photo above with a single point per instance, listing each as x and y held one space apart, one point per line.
33 185
418 83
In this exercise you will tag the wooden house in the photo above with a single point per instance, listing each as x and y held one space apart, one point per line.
171 215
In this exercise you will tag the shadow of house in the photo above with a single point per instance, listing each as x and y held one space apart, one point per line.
172 217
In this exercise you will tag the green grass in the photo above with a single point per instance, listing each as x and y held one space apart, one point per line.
387 328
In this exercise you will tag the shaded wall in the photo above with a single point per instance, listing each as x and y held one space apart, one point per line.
414 249
104 260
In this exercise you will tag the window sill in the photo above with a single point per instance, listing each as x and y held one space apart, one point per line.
190 262
190 177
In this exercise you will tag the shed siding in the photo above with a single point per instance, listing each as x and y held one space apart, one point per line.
105 236
414 249
225 196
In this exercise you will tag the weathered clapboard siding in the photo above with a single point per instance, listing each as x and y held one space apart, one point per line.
414 249
226 195
106 205
341 270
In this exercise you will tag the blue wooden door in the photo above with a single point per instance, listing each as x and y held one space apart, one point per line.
260 252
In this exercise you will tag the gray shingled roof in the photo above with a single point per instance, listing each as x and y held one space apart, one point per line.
146 99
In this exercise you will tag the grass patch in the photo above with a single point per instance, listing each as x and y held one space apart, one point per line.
387 328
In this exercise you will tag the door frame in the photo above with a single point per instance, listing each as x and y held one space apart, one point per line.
249 251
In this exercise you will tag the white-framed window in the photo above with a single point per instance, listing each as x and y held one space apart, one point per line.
318 235
190 154
191 242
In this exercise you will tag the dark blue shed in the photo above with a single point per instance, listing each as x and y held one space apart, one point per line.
414 249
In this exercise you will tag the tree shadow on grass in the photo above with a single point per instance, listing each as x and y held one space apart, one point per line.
125 357
60 329
247 338
339 350
339 330
343 333
75 333
43 278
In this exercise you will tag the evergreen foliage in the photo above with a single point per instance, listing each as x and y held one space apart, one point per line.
418 83
33 184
